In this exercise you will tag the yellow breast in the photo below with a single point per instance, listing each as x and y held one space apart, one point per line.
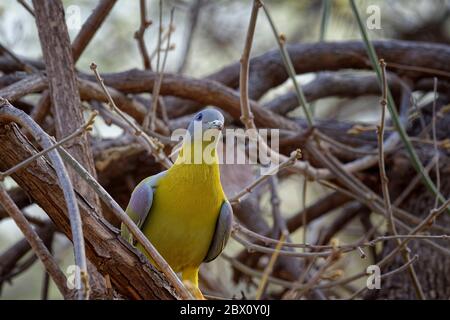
184 212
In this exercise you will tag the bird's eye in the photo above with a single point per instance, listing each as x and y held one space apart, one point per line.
199 117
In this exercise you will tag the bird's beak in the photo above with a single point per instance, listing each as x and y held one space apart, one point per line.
216 124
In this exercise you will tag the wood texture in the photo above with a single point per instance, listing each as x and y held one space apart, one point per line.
65 99
129 271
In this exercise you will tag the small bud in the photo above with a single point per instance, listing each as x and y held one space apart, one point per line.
333 275
298 154
334 242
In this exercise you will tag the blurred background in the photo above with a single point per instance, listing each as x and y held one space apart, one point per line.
212 33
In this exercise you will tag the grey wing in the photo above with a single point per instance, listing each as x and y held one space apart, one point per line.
221 233
140 203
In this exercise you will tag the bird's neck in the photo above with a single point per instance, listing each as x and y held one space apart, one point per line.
198 163
198 152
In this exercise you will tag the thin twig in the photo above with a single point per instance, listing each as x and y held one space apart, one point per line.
259 248
193 20
432 216
434 213
84 128
90 27
164 37
151 114
412 185
281 41
357 189
304 216
383 175
384 181
287 163
269 268
341 248
291 294
26 6
436 151
326 4
279 223
296 286
403 267
317 276
373 201
246 112
46 278
26 67
237 227
386 275
139 35
247 117
154 145
146 124
35 242
425 223
435 72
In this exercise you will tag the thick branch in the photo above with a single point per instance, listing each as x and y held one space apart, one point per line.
64 94
129 271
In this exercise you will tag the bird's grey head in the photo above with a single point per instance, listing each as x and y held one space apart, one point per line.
209 119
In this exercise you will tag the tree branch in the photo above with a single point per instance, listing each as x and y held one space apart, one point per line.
59 64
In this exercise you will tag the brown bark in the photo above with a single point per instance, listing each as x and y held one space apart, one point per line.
267 70
131 275
66 103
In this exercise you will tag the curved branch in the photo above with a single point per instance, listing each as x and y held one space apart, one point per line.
267 70
203 91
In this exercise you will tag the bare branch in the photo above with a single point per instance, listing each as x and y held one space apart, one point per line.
384 181
35 242
139 35
296 155
150 118
155 147
246 113
90 27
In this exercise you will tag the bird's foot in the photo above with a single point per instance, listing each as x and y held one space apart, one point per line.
195 291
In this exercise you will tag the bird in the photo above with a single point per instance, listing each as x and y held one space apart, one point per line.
184 211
